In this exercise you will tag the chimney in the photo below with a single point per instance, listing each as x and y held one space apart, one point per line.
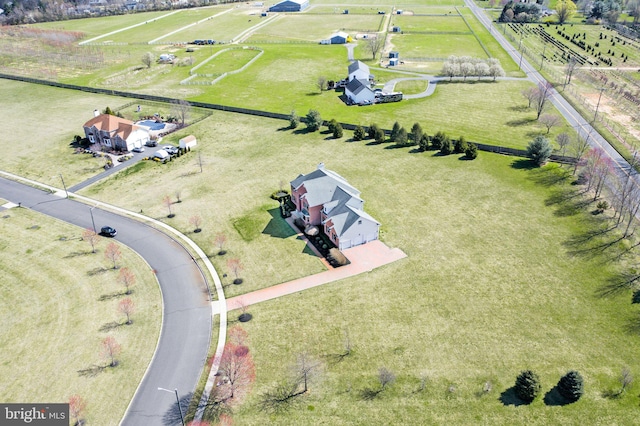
320 166
96 113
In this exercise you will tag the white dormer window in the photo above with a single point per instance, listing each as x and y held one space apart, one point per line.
107 141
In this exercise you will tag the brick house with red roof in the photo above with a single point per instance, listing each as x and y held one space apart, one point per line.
115 132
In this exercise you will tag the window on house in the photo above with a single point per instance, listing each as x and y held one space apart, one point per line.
92 139
107 141
359 221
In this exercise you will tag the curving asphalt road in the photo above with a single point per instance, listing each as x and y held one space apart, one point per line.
186 330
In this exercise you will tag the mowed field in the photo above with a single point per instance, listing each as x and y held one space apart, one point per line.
285 77
493 283
57 303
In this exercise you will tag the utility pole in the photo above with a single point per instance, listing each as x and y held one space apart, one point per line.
598 105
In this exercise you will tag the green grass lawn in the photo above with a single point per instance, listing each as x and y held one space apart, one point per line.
491 285
314 28
43 139
447 24
436 45
53 317
230 60
94 27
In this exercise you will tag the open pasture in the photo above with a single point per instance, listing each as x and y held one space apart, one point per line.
223 27
94 27
436 45
452 23
314 28
228 60
157 29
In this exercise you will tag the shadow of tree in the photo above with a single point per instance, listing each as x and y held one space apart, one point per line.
334 359
277 226
172 415
369 394
508 397
108 326
554 399
520 122
98 270
396 146
522 164
78 254
633 326
91 371
112 296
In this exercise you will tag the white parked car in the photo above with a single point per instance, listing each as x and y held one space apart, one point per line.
138 149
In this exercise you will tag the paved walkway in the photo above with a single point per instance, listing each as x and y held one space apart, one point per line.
364 258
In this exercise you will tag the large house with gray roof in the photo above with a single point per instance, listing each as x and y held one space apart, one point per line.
358 89
325 199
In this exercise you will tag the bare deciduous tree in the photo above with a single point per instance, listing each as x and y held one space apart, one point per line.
236 267
577 148
109 350
166 200
147 59
321 83
77 405
220 241
181 109
563 140
127 307
196 221
570 69
237 371
127 278
90 236
113 254
529 94
549 121
626 378
386 377
542 96
374 44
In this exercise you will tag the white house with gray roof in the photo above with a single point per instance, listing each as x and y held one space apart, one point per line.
325 199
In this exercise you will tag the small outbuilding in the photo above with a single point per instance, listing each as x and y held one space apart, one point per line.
339 38
393 62
290 6
396 29
188 142
394 54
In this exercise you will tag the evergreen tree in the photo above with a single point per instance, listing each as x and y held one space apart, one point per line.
402 138
437 139
416 134
424 142
571 386
313 120
379 135
359 133
446 147
539 150
461 145
394 132
373 128
294 120
337 131
527 386
331 125
471 152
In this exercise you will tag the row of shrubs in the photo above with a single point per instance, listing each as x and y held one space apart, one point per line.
438 142
528 387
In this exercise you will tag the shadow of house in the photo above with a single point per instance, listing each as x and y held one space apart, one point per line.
277 226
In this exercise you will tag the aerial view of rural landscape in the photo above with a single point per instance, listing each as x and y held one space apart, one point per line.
311 212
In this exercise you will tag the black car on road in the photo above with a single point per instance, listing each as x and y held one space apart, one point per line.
108 231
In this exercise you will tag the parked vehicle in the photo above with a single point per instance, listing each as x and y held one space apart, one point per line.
138 149
171 150
108 231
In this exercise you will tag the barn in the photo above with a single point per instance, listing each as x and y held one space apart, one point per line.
339 37
290 6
